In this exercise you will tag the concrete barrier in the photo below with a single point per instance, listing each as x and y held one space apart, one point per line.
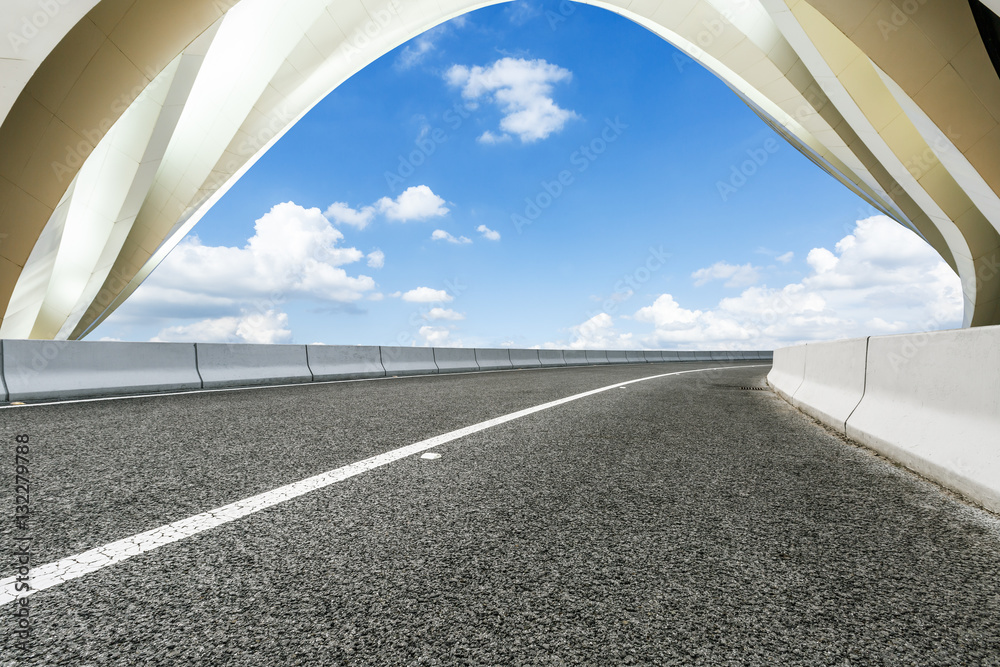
575 357
455 359
551 358
788 371
702 355
687 355
635 356
524 358
652 356
399 361
670 355
244 365
344 362
42 370
932 403
833 381
616 356
493 360
597 357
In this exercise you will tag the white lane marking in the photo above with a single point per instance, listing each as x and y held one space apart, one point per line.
430 456
52 574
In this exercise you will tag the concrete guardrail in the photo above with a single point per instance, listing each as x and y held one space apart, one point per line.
244 365
551 358
596 357
344 362
399 361
525 358
42 370
788 371
929 401
493 360
833 382
455 360
932 403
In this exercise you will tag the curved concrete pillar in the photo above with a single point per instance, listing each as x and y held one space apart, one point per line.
99 182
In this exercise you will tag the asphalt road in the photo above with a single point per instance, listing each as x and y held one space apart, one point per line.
679 520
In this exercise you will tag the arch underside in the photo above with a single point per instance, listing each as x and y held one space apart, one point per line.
114 144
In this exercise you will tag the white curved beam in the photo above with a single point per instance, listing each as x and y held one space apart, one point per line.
243 84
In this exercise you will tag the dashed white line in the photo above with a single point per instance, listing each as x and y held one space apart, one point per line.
58 572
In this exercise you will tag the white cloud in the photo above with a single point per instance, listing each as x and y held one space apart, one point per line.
522 11
597 333
293 253
443 314
441 235
342 214
786 258
376 259
415 203
523 91
424 295
488 234
491 139
249 327
880 279
435 336
415 52
735 276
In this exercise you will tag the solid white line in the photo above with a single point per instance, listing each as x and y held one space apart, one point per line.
61 571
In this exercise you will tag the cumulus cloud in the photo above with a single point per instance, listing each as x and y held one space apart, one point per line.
424 295
522 89
735 276
211 292
441 235
342 214
443 314
492 139
248 327
294 252
415 203
488 234
376 259
597 333
880 279
436 336
415 52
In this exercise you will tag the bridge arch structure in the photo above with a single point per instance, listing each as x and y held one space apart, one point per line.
124 121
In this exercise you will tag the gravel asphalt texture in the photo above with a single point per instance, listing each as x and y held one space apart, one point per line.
682 520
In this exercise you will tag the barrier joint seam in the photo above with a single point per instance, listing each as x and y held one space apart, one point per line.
197 367
864 384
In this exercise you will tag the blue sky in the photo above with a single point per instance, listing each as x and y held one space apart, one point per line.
421 203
